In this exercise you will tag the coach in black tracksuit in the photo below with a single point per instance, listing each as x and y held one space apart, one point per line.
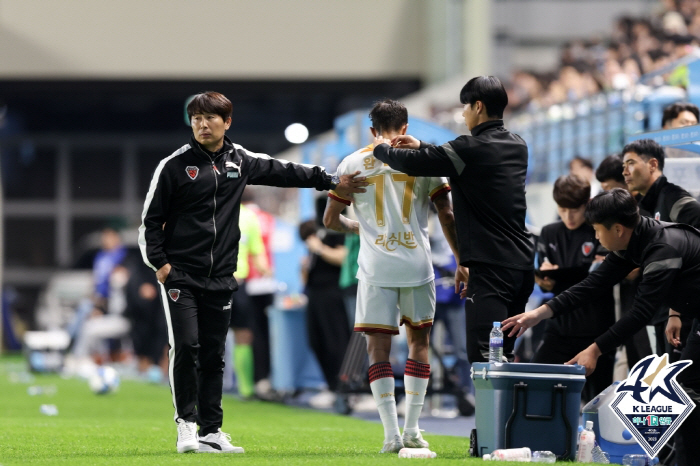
487 176
669 256
643 164
190 235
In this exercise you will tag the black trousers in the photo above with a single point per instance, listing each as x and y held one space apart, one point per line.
329 330
494 293
197 311
558 349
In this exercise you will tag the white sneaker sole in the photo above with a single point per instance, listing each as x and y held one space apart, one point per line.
188 448
205 448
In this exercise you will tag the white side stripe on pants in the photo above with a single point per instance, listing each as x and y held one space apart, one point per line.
171 343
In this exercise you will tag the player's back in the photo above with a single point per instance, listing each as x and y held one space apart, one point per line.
393 216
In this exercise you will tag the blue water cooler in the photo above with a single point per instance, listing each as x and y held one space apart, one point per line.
527 405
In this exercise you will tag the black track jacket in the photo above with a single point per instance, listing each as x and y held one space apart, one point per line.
487 176
197 196
669 256
670 203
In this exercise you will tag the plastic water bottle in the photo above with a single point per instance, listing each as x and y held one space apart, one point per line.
417 453
521 455
496 343
586 444
543 457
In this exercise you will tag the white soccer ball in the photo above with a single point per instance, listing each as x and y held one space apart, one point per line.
104 380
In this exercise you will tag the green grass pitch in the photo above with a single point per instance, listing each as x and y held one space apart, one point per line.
135 427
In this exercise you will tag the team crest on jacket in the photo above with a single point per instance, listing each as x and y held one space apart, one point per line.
192 172
174 294
587 248
657 216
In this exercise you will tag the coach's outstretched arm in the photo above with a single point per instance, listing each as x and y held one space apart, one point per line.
418 158
265 170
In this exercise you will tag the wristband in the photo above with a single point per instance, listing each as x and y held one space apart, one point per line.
674 315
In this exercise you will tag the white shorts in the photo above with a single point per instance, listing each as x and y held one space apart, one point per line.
382 310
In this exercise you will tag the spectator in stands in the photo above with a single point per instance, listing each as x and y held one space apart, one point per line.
570 247
679 115
583 168
487 175
669 256
326 317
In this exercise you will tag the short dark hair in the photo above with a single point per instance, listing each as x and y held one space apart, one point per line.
611 207
647 149
583 161
672 111
571 192
388 115
610 169
307 228
489 90
210 102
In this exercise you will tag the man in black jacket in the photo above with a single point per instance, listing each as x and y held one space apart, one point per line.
487 176
643 164
569 247
189 235
669 256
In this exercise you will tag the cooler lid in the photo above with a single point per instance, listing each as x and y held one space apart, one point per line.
510 369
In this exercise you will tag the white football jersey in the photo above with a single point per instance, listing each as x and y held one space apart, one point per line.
393 216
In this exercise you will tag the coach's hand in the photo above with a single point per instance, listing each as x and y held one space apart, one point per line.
350 184
163 272
524 321
587 358
673 330
461 281
405 141
379 139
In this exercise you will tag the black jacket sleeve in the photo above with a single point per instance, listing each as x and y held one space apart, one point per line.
429 160
155 212
689 213
661 265
613 269
264 170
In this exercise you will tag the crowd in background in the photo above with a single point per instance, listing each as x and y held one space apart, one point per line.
635 47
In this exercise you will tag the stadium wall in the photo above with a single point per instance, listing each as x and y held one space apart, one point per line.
168 39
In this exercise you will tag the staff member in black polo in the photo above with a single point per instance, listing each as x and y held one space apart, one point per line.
189 235
487 176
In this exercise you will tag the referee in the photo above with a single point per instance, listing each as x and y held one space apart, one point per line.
487 176
189 235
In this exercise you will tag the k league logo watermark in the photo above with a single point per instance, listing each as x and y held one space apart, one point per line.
651 404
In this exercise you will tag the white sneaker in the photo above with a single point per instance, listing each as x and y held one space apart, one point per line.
322 400
392 446
414 440
219 442
186 436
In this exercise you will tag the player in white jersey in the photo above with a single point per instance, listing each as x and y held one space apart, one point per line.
396 281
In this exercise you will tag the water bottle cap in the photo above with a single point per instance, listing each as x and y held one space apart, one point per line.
497 324
589 425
